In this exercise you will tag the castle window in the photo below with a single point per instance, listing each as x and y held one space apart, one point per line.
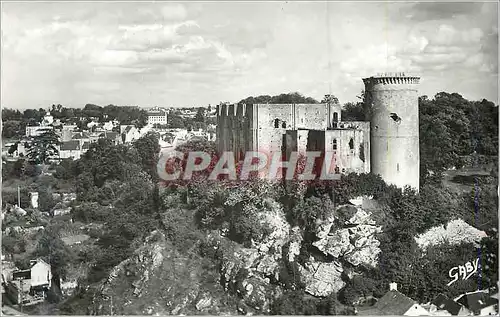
337 170
397 166
334 144
351 144
283 125
276 123
335 117
395 117
362 152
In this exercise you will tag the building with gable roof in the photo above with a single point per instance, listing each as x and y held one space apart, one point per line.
479 303
394 303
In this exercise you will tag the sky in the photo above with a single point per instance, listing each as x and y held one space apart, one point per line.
195 54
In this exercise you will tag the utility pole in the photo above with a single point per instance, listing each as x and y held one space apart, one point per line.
18 196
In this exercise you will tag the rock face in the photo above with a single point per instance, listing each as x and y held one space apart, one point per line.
354 241
347 235
456 232
322 279
159 280
247 272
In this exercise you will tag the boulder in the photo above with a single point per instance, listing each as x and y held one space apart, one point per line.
322 279
356 243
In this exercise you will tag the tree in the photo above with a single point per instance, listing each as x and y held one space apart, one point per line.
11 115
55 252
43 147
66 169
330 99
293 97
175 121
13 148
45 201
200 115
353 112
149 149
12 129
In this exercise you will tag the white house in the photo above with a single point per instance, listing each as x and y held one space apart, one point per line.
108 126
129 133
47 120
34 200
37 130
31 285
70 149
41 274
157 116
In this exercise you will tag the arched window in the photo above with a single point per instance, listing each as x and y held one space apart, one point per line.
276 123
351 144
283 125
334 144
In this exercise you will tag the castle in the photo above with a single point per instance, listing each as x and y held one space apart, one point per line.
386 143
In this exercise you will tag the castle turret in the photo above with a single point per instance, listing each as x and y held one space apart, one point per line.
391 105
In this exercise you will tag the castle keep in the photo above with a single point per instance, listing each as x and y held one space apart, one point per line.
386 143
391 106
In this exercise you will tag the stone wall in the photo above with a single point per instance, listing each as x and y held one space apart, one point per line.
271 128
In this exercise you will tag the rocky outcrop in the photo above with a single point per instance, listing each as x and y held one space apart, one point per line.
320 278
456 232
353 239
158 280
247 272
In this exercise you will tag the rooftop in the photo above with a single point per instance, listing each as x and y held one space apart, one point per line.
444 303
73 145
477 300
392 303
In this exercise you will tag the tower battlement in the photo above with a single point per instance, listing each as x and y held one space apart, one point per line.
232 110
391 79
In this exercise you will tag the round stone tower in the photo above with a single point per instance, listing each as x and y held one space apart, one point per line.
391 106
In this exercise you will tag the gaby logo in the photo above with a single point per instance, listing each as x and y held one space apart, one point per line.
464 271
175 165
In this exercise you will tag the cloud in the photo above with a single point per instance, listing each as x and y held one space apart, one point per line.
425 11
163 52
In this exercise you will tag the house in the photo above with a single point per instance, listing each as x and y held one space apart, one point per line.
34 200
70 149
67 132
157 116
47 120
30 286
479 303
108 126
34 131
112 136
394 303
444 304
129 133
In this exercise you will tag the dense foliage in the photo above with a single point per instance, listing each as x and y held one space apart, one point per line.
293 97
15 122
